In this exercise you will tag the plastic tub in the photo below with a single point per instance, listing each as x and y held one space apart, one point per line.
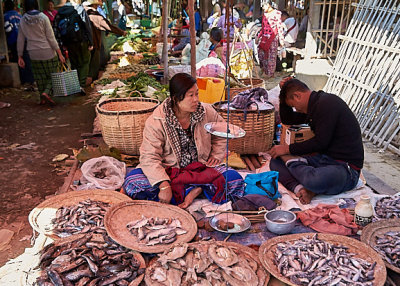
211 89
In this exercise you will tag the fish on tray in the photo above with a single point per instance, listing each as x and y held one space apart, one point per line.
388 207
311 261
86 216
88 260
153 231
388 245
205 264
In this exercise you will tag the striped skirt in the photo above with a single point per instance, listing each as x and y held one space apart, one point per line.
138 187
42 71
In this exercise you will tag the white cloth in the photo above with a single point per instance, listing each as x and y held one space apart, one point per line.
291 37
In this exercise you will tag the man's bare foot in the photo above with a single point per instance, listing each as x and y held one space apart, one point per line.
305 196
165 195
190 197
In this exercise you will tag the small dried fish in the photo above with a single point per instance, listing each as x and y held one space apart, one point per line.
388 245
153 231
311 261
388 207
86 216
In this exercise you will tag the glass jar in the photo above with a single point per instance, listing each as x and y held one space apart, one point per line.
364 211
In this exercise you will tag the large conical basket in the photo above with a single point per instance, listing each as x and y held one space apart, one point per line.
259 127
122 121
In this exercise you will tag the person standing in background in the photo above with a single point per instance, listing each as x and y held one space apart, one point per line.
291 29
42 46
122 15
50 11
197 21
270 37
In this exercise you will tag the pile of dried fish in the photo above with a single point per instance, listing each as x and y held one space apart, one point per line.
311 261
205 263
388 245
388 207
88 260
86 216
152 231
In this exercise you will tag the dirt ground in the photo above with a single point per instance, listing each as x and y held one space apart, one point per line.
27 175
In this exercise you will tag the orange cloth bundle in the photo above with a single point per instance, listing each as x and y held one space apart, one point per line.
329 219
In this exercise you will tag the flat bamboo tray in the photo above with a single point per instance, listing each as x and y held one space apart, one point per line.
40 217
118 216
267 253
137 255
263 275
380 227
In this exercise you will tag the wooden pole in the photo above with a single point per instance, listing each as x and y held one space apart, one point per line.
192 38
165 40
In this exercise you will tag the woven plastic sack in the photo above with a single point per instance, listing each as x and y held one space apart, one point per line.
102 173
65 82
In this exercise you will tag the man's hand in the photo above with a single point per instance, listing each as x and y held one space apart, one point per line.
21 62
282 82
279 150
212 162
165 194
90 48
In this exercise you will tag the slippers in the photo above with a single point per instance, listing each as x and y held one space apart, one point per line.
47 99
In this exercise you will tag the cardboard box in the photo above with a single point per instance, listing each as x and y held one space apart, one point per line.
295 133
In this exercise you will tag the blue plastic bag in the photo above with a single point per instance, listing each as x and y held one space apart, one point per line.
263 184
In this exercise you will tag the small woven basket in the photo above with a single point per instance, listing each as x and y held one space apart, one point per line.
259 127
246 81
122 121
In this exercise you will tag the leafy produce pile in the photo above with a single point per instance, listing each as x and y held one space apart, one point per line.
125 72
152 231
142 81
88 260
134 41
86 216
387 244
311 261
206 263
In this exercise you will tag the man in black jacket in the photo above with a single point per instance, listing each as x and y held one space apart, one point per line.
331 161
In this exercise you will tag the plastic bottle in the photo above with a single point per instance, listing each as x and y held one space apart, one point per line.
278 133
363 211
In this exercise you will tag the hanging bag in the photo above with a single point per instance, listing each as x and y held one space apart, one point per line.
65 82
265 183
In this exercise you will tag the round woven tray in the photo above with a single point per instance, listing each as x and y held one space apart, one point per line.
257 82
122 121
259 127
118 216
261 273
40 217
267 253
380 227
137 255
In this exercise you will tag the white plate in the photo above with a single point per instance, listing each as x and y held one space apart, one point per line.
241 223
219 129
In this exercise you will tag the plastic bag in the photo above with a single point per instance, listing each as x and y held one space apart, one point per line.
102 173
263 184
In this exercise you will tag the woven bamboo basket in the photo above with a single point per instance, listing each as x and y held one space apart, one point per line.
246 81
259 127
122 121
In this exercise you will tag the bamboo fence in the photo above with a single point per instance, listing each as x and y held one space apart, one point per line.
366 72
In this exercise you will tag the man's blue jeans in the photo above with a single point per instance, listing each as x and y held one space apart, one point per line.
320 175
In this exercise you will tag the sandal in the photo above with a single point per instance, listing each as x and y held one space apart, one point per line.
47 99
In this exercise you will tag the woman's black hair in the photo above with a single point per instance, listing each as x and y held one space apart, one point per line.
52 1
179 85
31 5
216 34
9 5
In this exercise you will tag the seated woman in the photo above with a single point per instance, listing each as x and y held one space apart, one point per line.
216 48
176 143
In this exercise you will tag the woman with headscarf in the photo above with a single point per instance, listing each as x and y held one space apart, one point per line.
270 37
179 159
42 47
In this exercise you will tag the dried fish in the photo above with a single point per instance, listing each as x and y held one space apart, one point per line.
153 231
311 261
205 264
86 216
388 245
388 207
95 260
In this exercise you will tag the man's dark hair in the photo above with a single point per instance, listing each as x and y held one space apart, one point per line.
216 34
52 1
290 87
9 5
31 5
179 85
284 13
